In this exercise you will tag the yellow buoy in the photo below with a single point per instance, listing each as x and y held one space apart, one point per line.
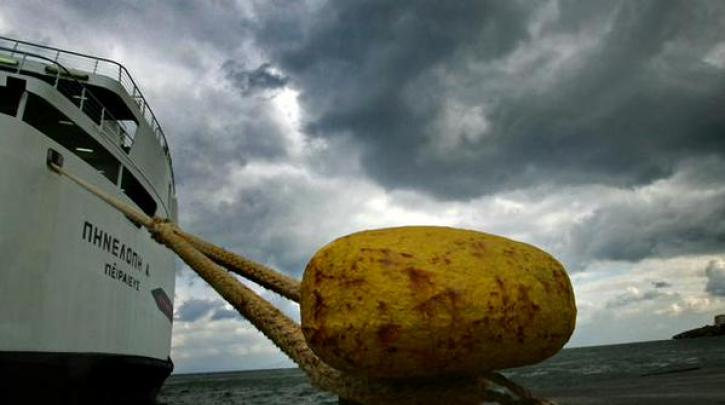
421 301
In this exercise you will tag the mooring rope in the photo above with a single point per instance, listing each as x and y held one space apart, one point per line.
207 260
266 277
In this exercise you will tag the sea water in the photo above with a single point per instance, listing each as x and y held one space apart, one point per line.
590 365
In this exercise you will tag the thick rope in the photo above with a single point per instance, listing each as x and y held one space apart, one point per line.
136 216
266 277
284 332
287 335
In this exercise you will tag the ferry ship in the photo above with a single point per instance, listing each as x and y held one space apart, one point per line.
86 296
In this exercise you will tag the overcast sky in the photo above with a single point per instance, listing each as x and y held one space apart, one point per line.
592 129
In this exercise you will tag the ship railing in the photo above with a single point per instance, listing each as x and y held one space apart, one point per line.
79 94
93 65
62 78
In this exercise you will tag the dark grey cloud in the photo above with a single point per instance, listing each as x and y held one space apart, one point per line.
684 215
252 81
635 105
257 223
180 24
206 147
715 273
438 99
194 309
622 110
224 313
633 297
661 284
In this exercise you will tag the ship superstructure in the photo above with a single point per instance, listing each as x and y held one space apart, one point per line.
85 294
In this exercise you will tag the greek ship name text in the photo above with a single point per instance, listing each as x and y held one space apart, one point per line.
111 244
118 274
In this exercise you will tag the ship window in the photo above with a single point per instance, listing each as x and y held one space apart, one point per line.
136 192
10 95
54 124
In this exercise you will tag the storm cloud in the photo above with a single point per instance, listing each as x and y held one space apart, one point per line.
633 296
661 284
194 309
251 81
224 313
659 219
466 99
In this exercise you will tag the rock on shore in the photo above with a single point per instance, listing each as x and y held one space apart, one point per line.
708 330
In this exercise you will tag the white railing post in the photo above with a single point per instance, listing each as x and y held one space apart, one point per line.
83 97
119 134
103 116
22 62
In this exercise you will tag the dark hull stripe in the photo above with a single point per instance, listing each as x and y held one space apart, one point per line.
80 378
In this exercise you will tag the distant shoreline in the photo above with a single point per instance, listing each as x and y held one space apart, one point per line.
705 331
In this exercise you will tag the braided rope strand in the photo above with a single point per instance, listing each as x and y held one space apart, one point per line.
266 277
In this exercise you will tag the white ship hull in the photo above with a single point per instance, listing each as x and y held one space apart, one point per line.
85 295
57 293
